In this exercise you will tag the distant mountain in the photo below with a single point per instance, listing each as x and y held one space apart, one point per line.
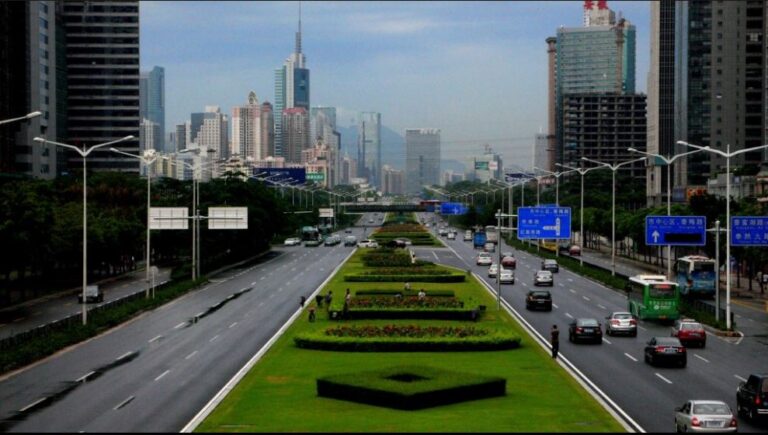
392 145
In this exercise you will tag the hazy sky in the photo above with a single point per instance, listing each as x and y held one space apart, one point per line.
475 70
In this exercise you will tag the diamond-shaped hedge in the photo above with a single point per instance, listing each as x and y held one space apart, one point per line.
410 387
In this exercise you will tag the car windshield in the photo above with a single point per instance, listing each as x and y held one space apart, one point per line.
544 273
711 409
540 295
667 341
622 316
550 262
690 326
587 322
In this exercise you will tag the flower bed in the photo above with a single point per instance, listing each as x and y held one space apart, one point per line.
378 302
407 271
392 292
405 278
412 331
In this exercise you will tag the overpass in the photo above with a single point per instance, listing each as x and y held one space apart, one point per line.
365 207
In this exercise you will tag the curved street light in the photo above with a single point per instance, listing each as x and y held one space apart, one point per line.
22 118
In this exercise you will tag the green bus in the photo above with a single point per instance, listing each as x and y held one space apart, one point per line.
653 297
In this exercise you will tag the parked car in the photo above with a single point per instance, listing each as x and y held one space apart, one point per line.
621 322
665 349
506 277
752 397
585 329
543 277
292 241
705 416
550 265
368 243
451 236
509 262
689 332
332 240
468 236
493 270
484 259
350 241
489 247
538 300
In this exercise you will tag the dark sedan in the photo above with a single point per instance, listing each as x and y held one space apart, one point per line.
538 300
665 349
585 330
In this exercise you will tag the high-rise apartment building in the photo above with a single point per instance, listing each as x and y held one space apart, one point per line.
597 58
267 119
246 130
102 52
707 86
291 89
31 75
152 101
182 136
485 167
369 147
323 127
149 135
347 170
422 158
213 131
392 181
295 133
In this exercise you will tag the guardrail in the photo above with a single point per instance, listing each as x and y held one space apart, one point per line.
72 320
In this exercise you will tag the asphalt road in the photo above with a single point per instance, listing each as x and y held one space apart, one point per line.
648 394
157 371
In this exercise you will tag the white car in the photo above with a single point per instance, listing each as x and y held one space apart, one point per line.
484 259
493 270
543 277
292 241
451 236
368 243
468 236
506 277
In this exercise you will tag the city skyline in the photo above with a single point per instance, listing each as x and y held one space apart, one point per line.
421 65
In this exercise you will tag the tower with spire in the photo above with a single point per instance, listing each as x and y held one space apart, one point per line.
291 91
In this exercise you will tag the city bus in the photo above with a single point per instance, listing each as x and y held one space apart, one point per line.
492 234
696 276
653 297
309 233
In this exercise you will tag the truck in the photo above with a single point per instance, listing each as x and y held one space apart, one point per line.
92 294
479 240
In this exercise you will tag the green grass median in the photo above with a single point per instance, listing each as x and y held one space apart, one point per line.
280 393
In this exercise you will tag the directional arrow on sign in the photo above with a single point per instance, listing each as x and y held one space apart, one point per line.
655 236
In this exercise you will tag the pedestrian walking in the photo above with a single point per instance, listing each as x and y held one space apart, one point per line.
319 301
555 340
407 286
311 314
764 283
301 301
328 298
347 297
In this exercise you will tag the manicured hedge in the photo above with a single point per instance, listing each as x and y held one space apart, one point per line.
413 313
404 278
493 341
410 387
392 292
407 271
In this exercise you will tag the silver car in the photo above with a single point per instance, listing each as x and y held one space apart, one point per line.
712 416
621 322
493 270
543 277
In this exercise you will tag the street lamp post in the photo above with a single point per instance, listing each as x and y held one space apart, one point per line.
22 118
613 169
581 172
148 158
668 161
727 154
84 153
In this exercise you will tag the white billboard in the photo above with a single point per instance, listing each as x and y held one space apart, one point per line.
326 212
228 218
168 218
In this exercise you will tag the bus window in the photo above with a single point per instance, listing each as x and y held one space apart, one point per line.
661 291
704 267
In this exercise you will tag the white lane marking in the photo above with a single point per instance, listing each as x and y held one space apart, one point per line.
262 303
35 403
750 319
572 290
214 338
630 357
281 289
272 295
123 356
19 319
569 315
740 378
161 375
191 355
84 377
232 325
436 258
606 340
262 278
253 283
738 316
525 285
586 298
37 313
701 358
663 378
156 338
561 284
641 328
570 279
601 306
555 306
179 325
124 402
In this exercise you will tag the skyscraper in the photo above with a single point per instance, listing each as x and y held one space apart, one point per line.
291 89
295 133
213 131
103 80
246 130
369 147
267 119
323 127
422 158
152 101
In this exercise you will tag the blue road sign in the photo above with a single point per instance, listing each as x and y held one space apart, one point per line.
544 223
749 230
676 230
452 208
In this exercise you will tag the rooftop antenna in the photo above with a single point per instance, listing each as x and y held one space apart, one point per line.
298 34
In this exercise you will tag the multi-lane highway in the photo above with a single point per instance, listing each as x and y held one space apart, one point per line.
648 394
157 371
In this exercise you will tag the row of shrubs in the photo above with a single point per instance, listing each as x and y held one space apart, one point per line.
392 292
405 278
460 314
494 340
394 387
401 228
383 302
424 270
